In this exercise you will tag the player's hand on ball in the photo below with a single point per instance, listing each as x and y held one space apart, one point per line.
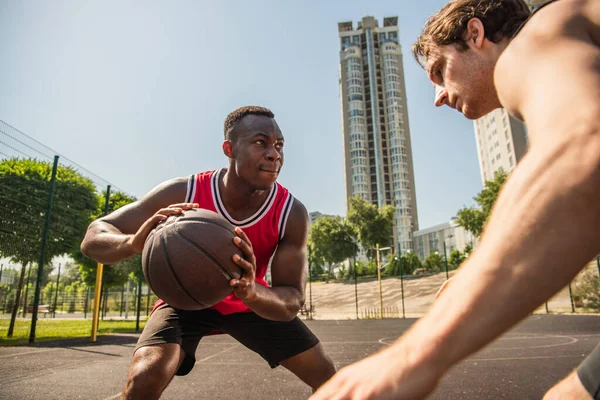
139 238
385 375
244 288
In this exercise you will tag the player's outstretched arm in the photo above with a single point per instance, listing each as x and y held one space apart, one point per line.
543 228
122 233
546 223
289 271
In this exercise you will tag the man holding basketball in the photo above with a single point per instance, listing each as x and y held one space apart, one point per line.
270 224
545 226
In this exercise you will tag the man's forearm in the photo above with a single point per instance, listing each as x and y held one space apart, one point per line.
105 244
546 223
279 303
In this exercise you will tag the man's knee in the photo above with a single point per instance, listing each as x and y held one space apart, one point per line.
151 370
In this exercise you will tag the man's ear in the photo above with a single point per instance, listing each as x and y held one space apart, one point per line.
475 33
228 148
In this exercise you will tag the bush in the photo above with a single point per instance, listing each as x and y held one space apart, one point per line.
588 287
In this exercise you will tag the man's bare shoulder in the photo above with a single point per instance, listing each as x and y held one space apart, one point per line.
547 37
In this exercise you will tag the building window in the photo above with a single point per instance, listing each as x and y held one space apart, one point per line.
510 161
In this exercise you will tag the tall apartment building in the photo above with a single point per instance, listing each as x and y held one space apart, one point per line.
376 136
501 142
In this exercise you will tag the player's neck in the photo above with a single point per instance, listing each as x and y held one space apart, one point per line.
238 195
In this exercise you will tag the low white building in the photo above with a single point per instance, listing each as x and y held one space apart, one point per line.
429 240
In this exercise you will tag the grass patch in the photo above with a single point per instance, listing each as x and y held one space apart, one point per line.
53 329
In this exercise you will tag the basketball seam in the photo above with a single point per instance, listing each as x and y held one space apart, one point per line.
208 221
166 253
207 254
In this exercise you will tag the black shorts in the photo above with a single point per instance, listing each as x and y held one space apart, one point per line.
274 341
589 373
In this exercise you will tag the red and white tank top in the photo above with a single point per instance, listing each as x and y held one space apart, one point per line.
264 229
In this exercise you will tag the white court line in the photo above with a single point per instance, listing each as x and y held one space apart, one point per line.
113 397
572 340
27 352
197 362
216 354
520 358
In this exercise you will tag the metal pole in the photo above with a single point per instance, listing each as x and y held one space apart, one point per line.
127 301
445 259
148 301
56 293
26 292
42 259
310 316
98 288
86 304
98 291
121 306
355 288
402 285
379 279
571 296
15 310
104 301
310 305
139 301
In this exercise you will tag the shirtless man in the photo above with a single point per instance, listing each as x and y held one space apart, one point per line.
544 69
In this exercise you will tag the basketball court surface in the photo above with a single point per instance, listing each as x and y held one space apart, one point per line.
522 364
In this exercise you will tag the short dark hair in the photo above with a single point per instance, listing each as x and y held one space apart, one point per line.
500 18
236 116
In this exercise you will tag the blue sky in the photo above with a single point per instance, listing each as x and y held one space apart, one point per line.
137 91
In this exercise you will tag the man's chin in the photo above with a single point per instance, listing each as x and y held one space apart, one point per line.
471 113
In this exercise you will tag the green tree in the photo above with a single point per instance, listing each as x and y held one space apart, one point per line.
433 262
468 249
24 188
473 219
410 262
456 258
587 286
373 225
331 238
118 273
405 264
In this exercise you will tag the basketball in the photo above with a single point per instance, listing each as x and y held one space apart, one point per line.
187 259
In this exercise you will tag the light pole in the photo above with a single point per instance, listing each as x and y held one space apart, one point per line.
378 249
402 283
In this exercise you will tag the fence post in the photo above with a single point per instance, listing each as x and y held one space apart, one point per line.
355 287
56 293
98 288
86 303
402 285
571 297
139 300
26 291
42 260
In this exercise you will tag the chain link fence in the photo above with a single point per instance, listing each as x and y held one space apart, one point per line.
47 202
395 295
